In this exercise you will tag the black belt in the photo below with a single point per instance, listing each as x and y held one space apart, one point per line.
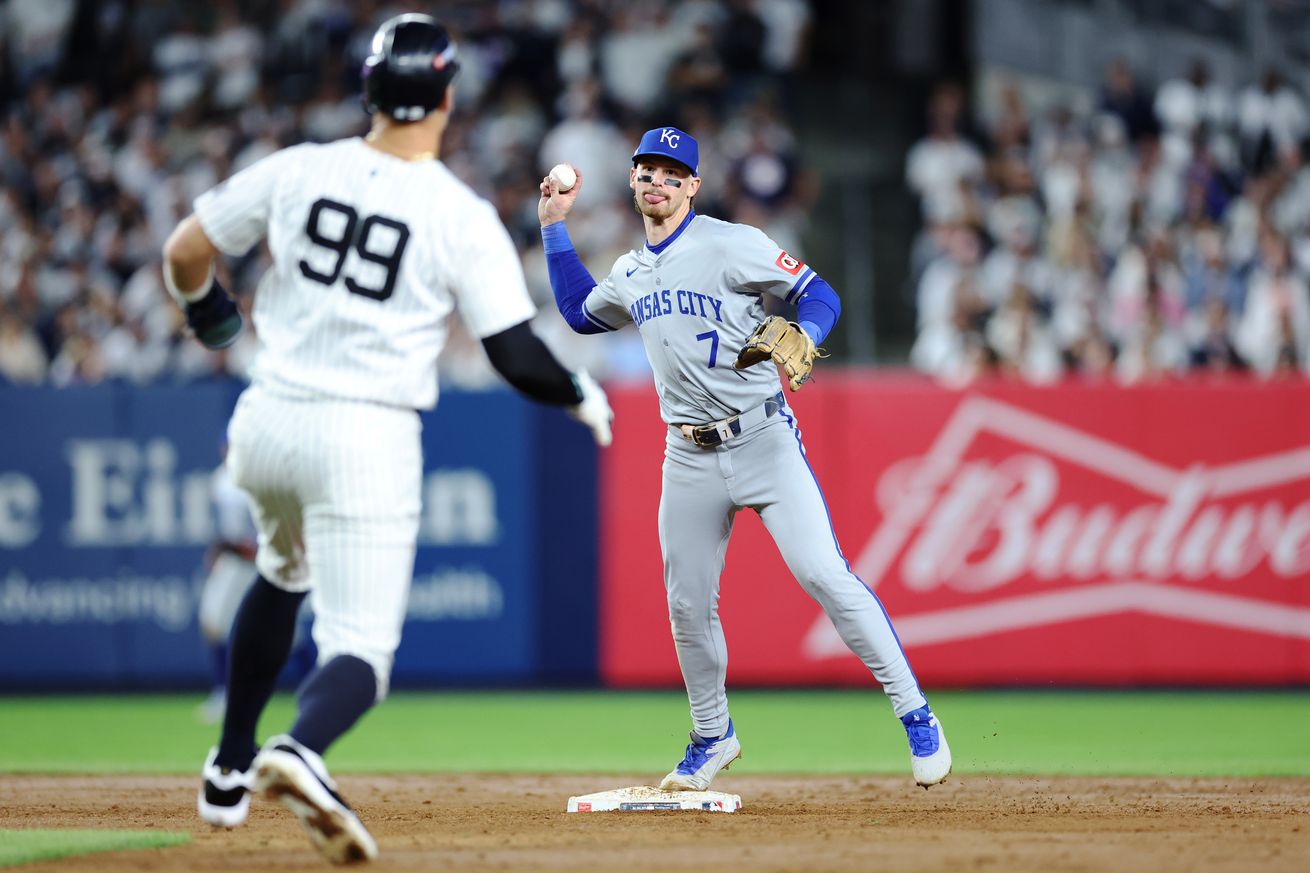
716 432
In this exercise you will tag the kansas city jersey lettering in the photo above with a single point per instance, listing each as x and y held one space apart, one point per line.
695 302
662 302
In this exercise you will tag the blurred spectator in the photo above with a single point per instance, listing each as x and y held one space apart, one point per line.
952 310
1015 222
1078 299
635 56
576 57
1009 129
940 286
181 59
1152 349
741 44
1272 122
1207 278
1123 97
1210 339
234 53
1274 330
1185 104
1194 105
1090 355
1023 345
699 73
785 22
1145 282
22 359
1112 179
940 165
33 31
767 173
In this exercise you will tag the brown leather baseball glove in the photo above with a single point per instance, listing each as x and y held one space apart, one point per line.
786 343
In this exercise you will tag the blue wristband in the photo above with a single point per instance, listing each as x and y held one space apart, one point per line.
555 238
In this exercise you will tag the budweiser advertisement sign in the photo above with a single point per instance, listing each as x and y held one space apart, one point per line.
1075 535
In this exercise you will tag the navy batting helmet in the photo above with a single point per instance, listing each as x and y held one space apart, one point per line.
407 71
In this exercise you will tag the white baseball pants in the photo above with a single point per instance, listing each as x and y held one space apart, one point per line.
335 492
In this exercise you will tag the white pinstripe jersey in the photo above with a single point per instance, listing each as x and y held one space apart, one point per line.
370 254
695 303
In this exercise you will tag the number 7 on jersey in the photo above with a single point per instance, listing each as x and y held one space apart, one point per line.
713 337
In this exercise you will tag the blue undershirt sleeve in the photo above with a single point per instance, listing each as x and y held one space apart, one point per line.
569 278
817 309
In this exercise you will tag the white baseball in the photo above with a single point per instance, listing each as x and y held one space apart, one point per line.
564 176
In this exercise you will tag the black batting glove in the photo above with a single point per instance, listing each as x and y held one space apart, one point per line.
214 318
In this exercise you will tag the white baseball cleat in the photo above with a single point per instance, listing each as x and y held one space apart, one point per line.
930 757
295 776
224 798
702 761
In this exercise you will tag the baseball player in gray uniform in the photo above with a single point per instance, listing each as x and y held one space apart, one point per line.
374 242
695 292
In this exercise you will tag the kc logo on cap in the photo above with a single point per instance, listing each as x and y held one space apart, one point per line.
671 143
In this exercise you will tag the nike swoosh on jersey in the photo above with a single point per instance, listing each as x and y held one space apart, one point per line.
633 270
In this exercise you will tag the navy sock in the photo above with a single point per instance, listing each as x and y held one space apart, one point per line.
332 699
218 664
261 640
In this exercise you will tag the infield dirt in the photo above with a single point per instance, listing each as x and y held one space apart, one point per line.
473 822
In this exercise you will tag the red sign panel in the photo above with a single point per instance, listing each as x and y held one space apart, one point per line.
1086 534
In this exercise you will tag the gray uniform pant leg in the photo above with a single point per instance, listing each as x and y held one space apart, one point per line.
793 510
695 520
764 469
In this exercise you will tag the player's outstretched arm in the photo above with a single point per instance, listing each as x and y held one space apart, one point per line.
189 277
569 279
523 360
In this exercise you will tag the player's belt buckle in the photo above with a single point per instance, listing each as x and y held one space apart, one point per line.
708 435
716 432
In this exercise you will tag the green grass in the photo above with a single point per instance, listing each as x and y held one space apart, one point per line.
1132 733
26 846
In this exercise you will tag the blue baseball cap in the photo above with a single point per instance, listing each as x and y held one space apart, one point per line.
669 142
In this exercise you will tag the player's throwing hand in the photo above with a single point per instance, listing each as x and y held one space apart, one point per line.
554 203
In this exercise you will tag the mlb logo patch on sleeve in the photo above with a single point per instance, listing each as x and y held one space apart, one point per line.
788 263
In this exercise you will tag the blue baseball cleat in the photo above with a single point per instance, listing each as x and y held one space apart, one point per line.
704 759
930 757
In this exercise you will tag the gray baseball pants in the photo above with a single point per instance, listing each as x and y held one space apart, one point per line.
764 469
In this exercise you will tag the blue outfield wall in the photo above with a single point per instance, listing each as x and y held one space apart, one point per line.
106 514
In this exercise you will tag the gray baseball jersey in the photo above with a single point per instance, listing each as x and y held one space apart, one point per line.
695 302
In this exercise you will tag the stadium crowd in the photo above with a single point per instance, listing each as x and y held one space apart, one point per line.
1155 233
115 115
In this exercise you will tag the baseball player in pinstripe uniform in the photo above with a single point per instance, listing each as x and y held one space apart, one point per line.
695 292
374 242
